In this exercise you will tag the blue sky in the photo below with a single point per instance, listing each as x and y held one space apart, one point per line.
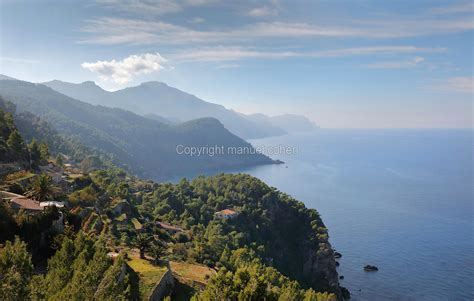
353 64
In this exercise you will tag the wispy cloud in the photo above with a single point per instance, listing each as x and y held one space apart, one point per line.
154 7
263 11
466 7
461 84
397 64
223 53
228 66
158 7
270 9
401 49
107 30
121 72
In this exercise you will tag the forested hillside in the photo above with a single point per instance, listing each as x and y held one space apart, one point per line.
146 146
106 235
12 145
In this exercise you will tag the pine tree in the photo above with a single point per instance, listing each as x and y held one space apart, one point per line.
16 271
15 143
44 151
60 269
35 153
116 283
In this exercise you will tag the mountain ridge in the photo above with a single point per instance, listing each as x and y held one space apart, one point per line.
146 145
170 103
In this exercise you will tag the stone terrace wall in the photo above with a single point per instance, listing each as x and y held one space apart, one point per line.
164 287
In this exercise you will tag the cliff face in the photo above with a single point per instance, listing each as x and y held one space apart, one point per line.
299 247
320 269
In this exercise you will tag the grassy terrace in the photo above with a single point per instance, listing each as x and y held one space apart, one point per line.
19 176
190 279
149 274
191 272
136 224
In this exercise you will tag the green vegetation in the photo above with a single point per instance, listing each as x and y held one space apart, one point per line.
142 145
42 188
82 270
107 242
16 271
148 274
248 279
12 146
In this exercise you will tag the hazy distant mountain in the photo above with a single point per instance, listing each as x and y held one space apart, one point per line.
293 123
162 100
146 145
264 121
286 123
4 77
161 119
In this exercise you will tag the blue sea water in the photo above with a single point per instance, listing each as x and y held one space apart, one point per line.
398 199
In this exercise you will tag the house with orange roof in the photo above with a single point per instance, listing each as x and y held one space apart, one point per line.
226 214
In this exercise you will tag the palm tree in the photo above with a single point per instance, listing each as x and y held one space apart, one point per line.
42 188
142 242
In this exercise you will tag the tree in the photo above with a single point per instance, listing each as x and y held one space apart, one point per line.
59 160
8 225
115 285
156 251
142 242
44 150
60 269
16 271
90 163
15 142
42 188
35 153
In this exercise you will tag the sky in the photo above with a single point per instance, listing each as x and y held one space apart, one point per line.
343 64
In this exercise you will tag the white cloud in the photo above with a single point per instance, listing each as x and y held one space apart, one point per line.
123 71
263 11
398 64
378 50
158 7
152 7
223 53
109 30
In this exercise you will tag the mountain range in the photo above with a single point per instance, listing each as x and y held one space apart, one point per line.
164 103
146 145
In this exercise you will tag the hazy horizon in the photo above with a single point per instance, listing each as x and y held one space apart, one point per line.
341 64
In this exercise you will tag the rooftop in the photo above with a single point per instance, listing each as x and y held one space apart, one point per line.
226 212
25 203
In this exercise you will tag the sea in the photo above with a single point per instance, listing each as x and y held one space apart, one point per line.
401 200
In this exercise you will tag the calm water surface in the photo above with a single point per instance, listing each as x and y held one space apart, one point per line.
398 199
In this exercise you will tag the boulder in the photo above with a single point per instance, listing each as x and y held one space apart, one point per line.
370 268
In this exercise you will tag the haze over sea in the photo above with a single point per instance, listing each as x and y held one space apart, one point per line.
398 199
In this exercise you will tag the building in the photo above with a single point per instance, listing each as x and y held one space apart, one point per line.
17 202
226 214
52 204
